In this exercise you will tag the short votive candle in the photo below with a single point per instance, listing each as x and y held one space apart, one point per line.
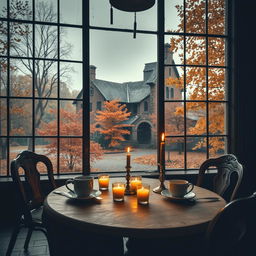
103 181
143 191
118 189
134 182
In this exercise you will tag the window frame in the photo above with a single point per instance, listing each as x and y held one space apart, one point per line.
86 27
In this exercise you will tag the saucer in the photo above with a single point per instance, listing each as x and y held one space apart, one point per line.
71 195
167 193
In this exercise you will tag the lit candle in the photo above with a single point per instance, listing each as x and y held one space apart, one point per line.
135 182
162 148
128 157
103 182
143 194
118 191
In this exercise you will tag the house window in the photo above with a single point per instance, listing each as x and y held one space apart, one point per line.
171 92
145 106
45 88
167 92
99 105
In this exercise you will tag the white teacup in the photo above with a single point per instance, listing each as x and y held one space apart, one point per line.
179 188
83 185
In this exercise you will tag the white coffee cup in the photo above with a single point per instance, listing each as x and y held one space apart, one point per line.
83 185
179 188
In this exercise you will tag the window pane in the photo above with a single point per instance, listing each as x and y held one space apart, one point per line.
217 146
20 117
174 153
46 117
195 50
196 83
195 16
46 79
100 16
3 77
46 10
3 117
48 147
196 152
217 118
3 37
174 54
174 119
174 13
17 145
216 51
21 9
216 17
21 39
71 11
3 8
117 44
3 157
21 77
70 155
196 118
46 42
217 84
70 119
71 79
71 43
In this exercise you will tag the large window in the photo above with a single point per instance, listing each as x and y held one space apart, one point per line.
74 87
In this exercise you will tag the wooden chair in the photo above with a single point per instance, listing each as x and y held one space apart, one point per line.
30 196
225 183
232 231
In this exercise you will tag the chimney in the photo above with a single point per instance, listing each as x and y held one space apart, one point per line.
168 55
92 72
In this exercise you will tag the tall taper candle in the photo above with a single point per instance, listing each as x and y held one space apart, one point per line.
161 149
128 157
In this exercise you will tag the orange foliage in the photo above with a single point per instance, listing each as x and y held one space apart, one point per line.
110 121
70 148
196 76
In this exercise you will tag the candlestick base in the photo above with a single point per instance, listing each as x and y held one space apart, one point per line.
159 189
129 192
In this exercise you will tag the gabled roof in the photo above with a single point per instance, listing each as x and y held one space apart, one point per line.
131 92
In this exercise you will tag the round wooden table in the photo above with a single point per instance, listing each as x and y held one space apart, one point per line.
160 218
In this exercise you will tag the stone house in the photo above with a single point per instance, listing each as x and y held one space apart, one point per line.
139 97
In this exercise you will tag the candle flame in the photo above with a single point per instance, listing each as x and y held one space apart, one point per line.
162 137
128 150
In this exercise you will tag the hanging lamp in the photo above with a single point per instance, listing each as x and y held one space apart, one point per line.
130 6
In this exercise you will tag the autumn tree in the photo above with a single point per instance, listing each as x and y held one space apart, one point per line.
196 75
70 148
110 122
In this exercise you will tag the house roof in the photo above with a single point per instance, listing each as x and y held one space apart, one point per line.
131 92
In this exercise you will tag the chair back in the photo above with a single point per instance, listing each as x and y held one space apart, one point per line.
224 183
232 231
31 196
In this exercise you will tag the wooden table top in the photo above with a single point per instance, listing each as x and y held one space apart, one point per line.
160 218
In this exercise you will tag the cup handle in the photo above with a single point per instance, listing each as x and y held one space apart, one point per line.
192 187
68 182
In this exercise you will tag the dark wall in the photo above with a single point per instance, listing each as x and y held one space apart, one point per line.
244 97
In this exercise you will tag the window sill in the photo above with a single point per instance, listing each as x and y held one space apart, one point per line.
149 174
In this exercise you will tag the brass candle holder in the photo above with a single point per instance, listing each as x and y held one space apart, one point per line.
128 190
161 187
